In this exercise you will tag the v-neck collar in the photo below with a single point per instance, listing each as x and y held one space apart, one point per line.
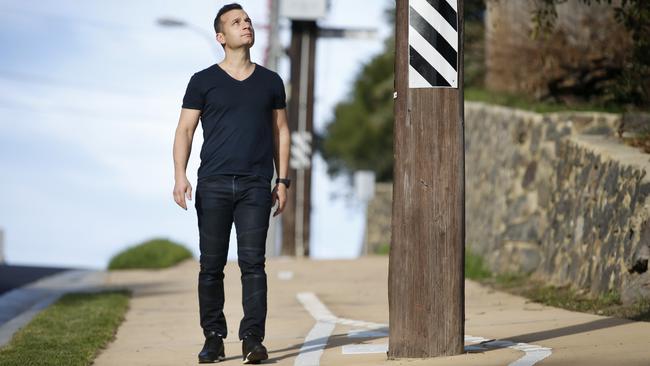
236 80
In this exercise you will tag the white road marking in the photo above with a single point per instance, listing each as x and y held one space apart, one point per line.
316 340
533 353
359 349
285 275
361 323
317 309
314 344
362 333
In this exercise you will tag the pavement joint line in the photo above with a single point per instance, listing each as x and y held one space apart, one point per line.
316 340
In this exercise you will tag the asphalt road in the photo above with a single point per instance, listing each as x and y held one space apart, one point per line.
12 276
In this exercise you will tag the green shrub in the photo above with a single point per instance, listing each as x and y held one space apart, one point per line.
475 268
383 249
155 253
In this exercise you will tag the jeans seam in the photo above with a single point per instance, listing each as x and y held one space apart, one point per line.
233 189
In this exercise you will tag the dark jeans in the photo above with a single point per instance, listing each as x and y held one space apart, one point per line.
220 199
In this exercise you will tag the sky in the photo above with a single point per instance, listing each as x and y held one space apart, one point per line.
90 94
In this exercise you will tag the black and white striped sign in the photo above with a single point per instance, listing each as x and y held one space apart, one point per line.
300 150
433 44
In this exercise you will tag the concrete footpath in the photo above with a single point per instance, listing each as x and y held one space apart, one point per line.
336 313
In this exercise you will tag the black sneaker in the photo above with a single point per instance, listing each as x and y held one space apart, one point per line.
213 350
253 350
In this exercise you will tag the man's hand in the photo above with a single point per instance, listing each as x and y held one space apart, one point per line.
182 189
279 195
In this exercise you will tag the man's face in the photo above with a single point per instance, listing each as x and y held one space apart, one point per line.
236 29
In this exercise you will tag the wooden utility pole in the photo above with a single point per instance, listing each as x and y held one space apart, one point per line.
426 263
2 247
302 52
296 222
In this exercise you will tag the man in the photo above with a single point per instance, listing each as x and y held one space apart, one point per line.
241 106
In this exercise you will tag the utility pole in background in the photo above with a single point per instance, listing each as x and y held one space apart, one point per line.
296 220
302 53
274 50
2 246
426 262
272 56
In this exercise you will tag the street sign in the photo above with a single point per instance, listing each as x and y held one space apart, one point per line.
300 150
347 33
303 9
433 44
364 185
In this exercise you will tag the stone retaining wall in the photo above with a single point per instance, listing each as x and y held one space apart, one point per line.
557 195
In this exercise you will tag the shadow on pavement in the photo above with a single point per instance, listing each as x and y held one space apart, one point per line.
570 330
333 341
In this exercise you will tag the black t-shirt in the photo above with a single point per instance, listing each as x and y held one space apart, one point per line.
237 120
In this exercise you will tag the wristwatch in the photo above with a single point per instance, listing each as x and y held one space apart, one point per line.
286 181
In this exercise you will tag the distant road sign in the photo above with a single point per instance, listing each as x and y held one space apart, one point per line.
359 33
303 9
300 150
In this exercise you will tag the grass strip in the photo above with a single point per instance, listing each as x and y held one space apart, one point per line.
70 332
564 297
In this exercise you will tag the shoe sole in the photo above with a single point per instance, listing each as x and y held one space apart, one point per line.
218 359
255 357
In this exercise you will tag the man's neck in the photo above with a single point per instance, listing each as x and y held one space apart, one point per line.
238 59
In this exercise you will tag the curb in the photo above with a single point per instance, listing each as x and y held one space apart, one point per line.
20 305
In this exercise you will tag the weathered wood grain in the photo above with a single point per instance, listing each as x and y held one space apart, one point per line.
426 265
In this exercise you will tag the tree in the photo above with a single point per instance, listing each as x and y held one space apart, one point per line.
360 136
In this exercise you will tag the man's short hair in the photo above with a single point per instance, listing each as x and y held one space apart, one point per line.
224 9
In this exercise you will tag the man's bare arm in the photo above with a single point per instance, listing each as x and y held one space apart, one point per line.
187 123
281 146
281 143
